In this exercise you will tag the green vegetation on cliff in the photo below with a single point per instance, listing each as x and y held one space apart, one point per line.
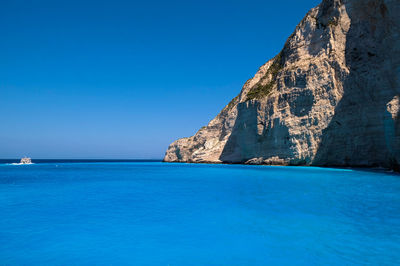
261 90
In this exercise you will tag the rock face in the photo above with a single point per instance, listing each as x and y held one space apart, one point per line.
331 96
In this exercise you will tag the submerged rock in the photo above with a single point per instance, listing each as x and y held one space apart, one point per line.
330 97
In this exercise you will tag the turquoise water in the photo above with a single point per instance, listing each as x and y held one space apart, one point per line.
151 213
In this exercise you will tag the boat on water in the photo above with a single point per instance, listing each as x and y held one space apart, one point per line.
24 160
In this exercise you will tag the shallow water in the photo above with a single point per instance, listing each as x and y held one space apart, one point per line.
151 213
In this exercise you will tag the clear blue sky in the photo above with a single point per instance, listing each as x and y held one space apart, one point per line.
123 79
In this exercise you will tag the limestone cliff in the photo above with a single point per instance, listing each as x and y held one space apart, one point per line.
331 96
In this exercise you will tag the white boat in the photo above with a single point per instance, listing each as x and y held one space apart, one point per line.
24 160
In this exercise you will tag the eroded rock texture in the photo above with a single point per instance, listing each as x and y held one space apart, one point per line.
331 96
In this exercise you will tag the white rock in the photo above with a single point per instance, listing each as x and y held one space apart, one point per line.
333 96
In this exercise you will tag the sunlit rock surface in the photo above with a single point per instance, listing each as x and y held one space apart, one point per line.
331 96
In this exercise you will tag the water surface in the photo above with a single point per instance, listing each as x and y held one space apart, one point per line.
152 213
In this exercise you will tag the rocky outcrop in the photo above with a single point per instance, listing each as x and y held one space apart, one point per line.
331 96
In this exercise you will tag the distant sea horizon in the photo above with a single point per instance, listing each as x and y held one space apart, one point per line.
16 160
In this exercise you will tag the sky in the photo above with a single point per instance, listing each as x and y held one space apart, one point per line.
123 79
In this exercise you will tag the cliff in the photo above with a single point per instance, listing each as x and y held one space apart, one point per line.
330 97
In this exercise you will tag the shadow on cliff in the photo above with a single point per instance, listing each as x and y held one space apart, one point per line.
237 148
255 137
362 131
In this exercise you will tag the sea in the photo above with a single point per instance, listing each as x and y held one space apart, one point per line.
110 212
